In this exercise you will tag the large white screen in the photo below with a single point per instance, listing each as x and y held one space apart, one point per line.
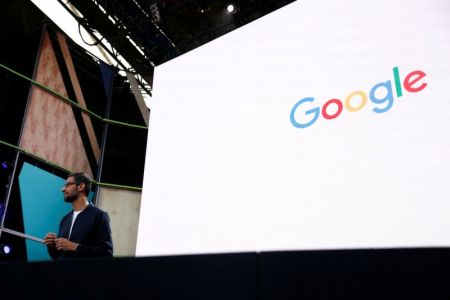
227 170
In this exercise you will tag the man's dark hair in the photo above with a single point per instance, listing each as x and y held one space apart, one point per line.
82 178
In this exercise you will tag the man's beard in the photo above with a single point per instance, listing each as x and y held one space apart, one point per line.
69 199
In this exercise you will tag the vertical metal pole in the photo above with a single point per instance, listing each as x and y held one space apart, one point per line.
8 194
103 142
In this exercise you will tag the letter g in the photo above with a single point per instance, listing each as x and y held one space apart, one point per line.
314 111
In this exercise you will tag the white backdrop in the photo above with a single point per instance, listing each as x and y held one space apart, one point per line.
227 171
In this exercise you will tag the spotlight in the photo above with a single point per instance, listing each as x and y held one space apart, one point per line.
5 249
203 6
5 165
230 8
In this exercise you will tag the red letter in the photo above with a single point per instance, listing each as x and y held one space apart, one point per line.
336 114
411 79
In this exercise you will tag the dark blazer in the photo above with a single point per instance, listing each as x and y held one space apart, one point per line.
91 230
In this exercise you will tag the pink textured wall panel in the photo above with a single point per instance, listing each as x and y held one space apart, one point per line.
50 129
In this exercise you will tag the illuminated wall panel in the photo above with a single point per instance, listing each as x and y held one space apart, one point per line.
43 207
50 129
123 209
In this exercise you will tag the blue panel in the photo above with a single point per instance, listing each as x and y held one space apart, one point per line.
43 207
107 76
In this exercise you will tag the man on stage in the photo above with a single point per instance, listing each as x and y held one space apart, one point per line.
83 232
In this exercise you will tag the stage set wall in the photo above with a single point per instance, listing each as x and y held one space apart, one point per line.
123 208
44 137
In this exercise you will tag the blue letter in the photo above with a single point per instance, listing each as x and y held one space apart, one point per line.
314 111
387 85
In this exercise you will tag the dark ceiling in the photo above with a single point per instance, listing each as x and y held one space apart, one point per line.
163 29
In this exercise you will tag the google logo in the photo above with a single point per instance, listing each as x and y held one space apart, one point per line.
383 102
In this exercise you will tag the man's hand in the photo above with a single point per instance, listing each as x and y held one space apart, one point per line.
50 240
65 245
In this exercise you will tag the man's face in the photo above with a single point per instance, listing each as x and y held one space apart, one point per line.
70 190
